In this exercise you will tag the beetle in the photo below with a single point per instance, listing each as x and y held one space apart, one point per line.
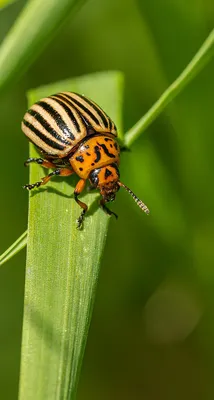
74 135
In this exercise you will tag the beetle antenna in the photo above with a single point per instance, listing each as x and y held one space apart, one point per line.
136 199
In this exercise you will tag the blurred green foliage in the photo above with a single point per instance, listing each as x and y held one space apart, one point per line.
4 3
152 331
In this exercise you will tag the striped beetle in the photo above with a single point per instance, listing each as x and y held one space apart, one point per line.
76 136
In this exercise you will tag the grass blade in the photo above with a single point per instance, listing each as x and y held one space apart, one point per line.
62 265
34 28
17 246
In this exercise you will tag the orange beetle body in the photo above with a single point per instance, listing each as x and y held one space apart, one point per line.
95 152
76 136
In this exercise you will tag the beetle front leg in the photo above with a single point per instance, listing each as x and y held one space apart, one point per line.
78 189
58 172
106 209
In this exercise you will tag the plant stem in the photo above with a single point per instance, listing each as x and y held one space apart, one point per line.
17 246
201 58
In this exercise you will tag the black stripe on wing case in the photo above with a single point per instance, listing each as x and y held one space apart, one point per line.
58 98
47 126
58 119
44 138
100 112
84 108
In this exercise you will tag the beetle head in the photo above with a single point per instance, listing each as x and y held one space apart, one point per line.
106 180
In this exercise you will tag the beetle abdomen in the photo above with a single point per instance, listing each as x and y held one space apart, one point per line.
53 127
56 124
92 114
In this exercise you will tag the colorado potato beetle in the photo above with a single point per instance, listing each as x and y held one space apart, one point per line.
76 136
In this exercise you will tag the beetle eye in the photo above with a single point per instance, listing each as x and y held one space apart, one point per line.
94 177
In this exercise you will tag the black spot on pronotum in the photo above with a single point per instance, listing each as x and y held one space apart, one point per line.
97 152
106 150
107 173
80 169
88 154
80 159
92 164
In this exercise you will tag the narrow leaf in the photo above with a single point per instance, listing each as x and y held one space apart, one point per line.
17 246
34 28
62 265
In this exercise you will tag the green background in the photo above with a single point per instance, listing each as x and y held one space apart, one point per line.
152 331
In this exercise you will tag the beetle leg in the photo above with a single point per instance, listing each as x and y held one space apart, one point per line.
40 161
78 189
59 172
90 188
106 209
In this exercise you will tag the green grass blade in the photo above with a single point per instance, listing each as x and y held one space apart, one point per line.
202 57
17 246
62 265
36 25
